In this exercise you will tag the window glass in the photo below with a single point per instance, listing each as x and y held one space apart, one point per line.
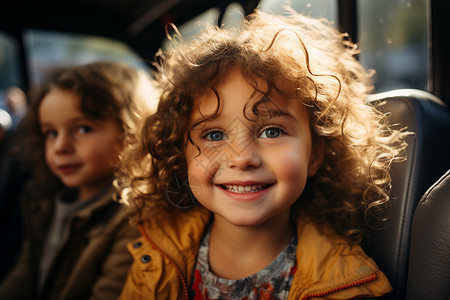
393 39
195 25
46 50
233 15
10 75
9 62
314 8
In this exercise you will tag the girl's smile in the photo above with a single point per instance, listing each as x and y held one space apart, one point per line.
245 192
250 188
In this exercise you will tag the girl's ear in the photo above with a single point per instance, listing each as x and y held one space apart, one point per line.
316 158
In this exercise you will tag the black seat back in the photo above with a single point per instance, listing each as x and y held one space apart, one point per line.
429 261
427 159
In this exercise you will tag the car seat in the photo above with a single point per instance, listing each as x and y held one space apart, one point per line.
427 160
429 260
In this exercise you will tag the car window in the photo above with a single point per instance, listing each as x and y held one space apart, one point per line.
393 39
9 62
317 8
392 36
234 12
233 15
10 74
194 26
48 49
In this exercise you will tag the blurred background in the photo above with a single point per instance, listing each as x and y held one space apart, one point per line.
394 35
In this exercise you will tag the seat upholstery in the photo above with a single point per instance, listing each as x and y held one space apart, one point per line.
429 261
427 159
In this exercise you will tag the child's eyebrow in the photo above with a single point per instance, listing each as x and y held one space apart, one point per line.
267 109
270 112
201 120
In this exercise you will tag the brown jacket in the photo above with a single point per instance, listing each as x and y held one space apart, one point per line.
93 263
165 257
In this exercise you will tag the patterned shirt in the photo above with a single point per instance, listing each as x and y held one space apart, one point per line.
273 282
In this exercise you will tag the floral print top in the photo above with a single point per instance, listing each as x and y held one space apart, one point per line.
273 282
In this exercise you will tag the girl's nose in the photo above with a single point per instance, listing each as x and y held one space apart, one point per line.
243 157
63 144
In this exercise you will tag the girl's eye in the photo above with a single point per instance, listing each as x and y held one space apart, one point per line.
84 129
50 134
215 135
271 132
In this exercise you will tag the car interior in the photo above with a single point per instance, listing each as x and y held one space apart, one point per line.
413 247
399 248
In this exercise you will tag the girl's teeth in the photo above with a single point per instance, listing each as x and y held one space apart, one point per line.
244 188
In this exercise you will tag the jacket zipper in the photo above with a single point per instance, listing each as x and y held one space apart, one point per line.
342 287
171 261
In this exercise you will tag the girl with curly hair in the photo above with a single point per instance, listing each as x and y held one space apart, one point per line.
76 126
254 177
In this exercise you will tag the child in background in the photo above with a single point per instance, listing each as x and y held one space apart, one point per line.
77 125
265 160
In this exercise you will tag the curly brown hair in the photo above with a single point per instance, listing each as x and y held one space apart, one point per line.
107 90
353 181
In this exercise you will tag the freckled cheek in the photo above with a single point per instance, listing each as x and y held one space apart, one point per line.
291 164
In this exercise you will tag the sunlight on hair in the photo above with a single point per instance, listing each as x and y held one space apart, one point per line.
147 91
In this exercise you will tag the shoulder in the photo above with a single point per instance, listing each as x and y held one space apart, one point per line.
166 250
328 263
323 237
171 232
175 234
330 251
177 222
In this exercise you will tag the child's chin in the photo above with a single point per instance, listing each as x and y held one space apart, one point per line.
245 221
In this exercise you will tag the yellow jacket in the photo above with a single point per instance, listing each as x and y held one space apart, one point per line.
165 257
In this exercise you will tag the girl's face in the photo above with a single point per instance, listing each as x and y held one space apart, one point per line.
249 172
82 152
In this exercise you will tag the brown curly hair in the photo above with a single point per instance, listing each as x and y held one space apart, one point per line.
107 90
353 181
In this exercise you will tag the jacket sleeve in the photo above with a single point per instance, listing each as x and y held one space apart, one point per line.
116 265
16 285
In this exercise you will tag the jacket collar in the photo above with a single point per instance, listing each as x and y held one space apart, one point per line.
98 202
